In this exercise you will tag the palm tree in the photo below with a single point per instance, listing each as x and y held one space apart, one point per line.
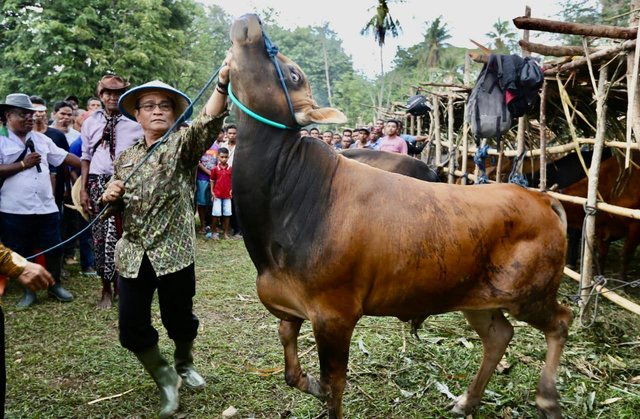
503 37
434 40
379 24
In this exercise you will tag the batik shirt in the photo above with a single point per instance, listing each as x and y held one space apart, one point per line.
158 203
11 263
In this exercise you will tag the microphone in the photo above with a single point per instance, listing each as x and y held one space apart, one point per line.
31 147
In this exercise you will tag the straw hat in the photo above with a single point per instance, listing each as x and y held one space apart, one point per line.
75 198
127 102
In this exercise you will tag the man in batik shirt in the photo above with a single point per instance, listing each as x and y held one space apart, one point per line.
156 250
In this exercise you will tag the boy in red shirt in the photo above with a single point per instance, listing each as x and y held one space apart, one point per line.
220 181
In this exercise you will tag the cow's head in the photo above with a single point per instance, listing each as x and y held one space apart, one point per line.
256 84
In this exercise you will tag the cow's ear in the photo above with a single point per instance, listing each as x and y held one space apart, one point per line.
321 116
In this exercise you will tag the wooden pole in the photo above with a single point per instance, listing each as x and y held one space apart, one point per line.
452 150
522 121
465 124
554 51
543 137
589 232
436 128
602 31
596 56
633 107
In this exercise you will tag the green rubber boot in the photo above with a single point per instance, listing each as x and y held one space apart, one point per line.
165 377
183 357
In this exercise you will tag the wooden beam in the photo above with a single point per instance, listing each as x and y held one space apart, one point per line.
602 31
596 56
553 50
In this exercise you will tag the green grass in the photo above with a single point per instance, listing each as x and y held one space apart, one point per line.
60 357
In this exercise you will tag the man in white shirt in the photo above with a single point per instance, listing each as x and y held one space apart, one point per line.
29 217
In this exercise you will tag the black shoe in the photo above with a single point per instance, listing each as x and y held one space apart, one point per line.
56 291
27 300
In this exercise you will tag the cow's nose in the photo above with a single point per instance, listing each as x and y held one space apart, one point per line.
246 29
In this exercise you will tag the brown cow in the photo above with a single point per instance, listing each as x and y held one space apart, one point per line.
617 186
423 248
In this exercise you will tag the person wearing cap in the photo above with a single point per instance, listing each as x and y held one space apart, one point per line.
29 217
157 247
105 134
31 276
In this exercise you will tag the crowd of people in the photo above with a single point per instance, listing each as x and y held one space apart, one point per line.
60 167
382 136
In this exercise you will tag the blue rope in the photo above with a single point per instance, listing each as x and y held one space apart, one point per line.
272 51
478 158
515 176
254 115
163 139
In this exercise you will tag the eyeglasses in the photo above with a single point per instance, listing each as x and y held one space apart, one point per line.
23 114
150 106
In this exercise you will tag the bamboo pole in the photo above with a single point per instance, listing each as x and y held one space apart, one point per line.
554 51
558 149
608 294
522 121
589 232
452 150
465 124
543 137
602 31
633 110
600 206
436 128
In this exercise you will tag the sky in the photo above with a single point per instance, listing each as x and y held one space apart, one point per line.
467 19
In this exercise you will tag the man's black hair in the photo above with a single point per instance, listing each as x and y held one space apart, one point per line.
395 121
37 100
223 150
62 104
228 127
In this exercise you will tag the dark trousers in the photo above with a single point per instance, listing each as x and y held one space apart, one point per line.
86 245
26 234
175 296
69 227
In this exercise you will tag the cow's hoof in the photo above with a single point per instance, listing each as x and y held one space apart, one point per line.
548 408
314 388
462 406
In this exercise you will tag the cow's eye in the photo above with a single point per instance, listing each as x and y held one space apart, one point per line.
295 77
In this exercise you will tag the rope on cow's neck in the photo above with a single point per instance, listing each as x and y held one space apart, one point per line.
153 149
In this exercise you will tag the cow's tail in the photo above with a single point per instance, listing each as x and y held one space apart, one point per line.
557 207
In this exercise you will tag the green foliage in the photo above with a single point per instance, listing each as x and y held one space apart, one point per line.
304 46
381 23
504 37
54 48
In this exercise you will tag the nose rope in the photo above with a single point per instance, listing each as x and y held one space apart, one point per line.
163 139
272 51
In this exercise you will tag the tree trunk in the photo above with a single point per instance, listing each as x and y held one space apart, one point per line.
326 67
381 83
545 25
